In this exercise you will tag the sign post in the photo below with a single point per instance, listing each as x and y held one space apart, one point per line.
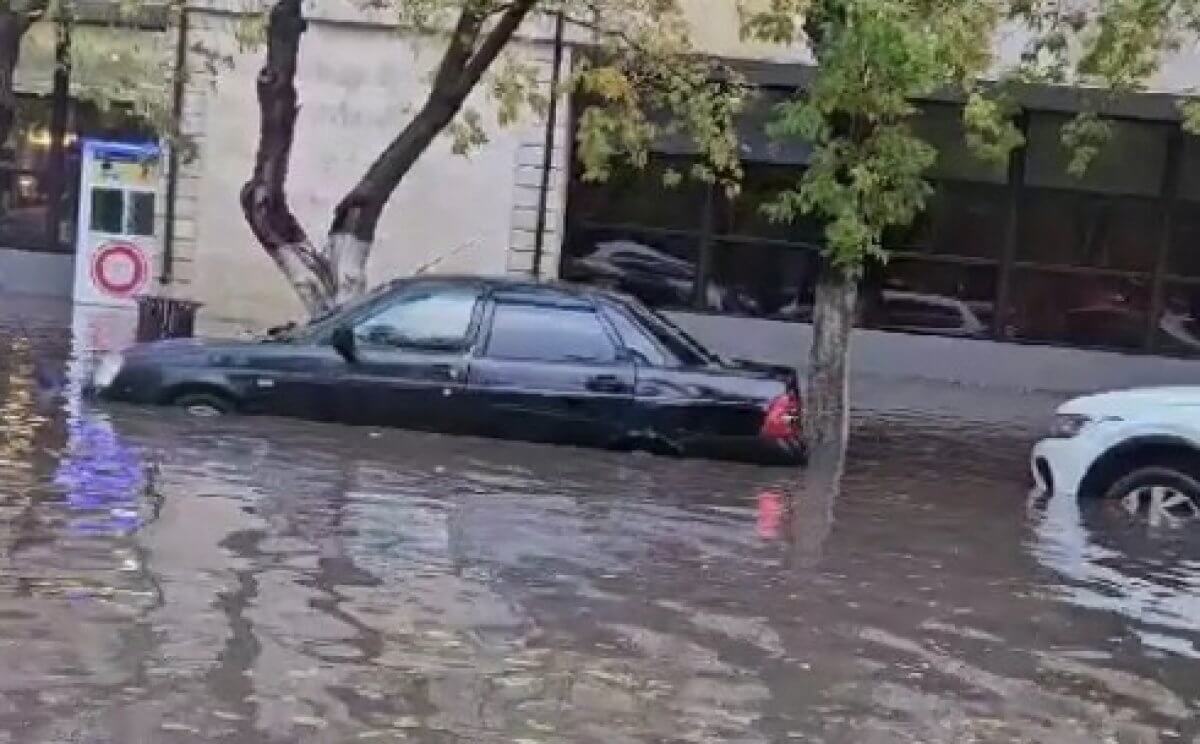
116 243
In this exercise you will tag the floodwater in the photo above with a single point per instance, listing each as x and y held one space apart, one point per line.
167 579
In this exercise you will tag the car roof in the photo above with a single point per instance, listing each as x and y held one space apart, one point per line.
516 287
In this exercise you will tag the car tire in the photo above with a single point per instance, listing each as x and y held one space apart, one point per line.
204 405
1162 494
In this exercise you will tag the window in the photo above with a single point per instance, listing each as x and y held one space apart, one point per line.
961 219
924 296
657 268
1080 229
636 340
1189 168
1096 310
641 197
108 211
141 213
548 334
941 126
1184 256
762 280
1178 328
24 209
1131 162
743 215
429 318
117 211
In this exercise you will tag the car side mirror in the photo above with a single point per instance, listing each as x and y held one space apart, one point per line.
342 341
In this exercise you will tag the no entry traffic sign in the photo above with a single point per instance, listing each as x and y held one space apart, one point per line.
119 269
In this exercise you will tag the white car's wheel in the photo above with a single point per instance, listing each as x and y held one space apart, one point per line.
1163 496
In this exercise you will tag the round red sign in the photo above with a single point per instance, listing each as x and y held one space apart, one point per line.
119 269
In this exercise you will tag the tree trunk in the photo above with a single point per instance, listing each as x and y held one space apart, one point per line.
338 272
826 403
264 198
811 511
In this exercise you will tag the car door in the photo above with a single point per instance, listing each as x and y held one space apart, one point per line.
410 365
550 372
303 380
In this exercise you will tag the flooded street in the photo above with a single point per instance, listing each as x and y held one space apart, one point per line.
171 579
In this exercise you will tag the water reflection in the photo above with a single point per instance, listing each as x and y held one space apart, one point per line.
248 580
1149 582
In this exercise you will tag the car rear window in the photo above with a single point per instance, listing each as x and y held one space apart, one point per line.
548 334
637 340
674 339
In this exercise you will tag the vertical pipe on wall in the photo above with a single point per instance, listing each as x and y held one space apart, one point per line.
168 253
1170 187
56 160
1016 182
539 237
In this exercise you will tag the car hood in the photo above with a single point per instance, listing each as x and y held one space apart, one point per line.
190 346
1135 400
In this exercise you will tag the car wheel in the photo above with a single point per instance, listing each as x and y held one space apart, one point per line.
204 405
1162 495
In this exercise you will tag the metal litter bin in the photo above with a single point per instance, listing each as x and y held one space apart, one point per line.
165 317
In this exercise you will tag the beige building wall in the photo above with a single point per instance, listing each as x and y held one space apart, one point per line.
358 85
716 30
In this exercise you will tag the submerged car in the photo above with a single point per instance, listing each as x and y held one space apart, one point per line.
1138 448
489 357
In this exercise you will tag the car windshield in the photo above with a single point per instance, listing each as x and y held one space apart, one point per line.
320 320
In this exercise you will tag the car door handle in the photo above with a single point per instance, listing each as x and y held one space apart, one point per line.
606 384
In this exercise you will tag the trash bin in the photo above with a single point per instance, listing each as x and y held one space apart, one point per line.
165 317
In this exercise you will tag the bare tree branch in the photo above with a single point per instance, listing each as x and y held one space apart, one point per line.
359 211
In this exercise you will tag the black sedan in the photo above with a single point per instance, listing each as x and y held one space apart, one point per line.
485 356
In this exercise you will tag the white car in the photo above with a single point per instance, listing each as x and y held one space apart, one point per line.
1139 447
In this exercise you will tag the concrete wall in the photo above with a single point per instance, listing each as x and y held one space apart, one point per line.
961 361
358 85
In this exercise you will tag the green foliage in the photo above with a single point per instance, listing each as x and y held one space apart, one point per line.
1083 137
991 131
875 57
644 83
467 132
119 62
1190 110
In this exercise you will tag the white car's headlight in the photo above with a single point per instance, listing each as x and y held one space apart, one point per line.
1067 425
107 370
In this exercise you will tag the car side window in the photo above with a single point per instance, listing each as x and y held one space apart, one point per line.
637 340
436 318
548 334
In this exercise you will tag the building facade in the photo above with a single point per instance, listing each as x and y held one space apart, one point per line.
1010 272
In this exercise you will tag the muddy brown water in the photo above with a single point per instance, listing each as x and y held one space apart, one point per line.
168 579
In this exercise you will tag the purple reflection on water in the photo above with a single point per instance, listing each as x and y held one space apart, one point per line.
102 478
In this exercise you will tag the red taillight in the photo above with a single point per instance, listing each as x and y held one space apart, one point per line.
783 418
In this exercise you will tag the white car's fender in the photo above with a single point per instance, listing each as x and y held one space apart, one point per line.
1065 464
